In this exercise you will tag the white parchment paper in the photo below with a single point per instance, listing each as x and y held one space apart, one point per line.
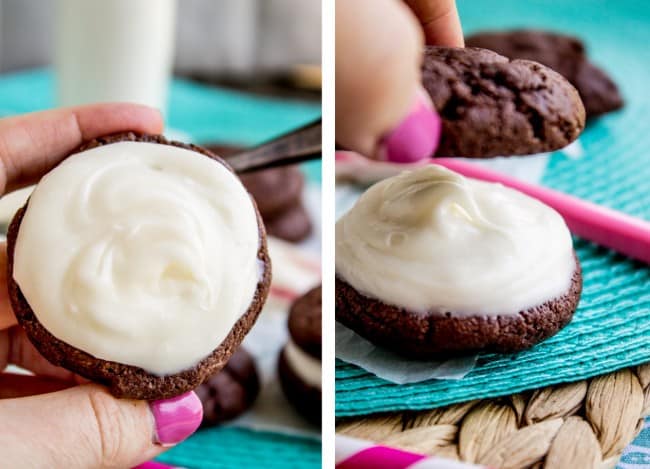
354 349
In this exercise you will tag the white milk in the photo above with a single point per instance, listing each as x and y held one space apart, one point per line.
114 50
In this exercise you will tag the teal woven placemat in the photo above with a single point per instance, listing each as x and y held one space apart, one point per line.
221 448
611 329
206 114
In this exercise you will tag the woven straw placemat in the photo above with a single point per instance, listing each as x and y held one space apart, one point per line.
585 424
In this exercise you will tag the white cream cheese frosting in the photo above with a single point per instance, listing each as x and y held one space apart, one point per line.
306 367
433 240
139 253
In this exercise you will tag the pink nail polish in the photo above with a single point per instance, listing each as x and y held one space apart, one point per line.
176 418
155 465
416 137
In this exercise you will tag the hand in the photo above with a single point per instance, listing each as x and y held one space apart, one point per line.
382 111
72 426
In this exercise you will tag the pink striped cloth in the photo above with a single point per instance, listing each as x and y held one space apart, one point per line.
352 453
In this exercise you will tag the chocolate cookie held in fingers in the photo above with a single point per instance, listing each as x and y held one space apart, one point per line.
139 263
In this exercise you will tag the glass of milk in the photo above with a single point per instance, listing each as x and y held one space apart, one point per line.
114 50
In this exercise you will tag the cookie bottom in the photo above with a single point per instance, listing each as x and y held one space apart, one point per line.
435 335
306 399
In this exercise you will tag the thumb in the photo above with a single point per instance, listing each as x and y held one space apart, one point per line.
85 427
381 109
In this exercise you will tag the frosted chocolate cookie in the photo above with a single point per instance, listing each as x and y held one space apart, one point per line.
138 263
493 106
299 366
230 392
429 263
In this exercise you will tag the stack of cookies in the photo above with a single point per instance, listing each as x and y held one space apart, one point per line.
300 365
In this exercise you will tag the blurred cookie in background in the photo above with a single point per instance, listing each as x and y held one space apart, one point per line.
278 194
228 394
563 53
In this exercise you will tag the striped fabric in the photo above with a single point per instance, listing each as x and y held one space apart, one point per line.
352 453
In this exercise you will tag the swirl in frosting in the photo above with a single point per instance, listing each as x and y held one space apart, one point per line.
432 240
139 253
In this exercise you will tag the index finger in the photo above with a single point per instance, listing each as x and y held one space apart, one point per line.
31 144
440 21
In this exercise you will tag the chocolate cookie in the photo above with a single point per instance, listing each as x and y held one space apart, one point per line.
557 51
292 225
597 90
125 380
299 365
305 318
435 335
306 399
493 106
278 193
564 54
275 189
230 392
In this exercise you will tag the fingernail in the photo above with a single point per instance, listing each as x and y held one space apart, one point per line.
156 465
176 418
416 137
